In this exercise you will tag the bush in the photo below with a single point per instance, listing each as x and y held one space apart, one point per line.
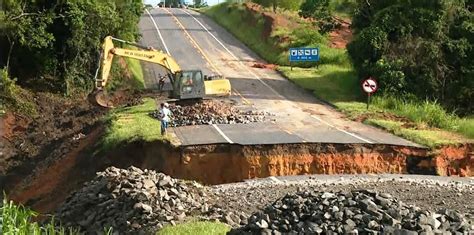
11 95
7 85
56 44
418 48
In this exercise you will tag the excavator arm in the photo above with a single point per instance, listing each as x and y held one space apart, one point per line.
189 84
149 55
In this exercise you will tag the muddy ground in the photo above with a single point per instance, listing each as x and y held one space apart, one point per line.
33 140
59 127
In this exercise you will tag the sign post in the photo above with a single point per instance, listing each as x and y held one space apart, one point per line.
369 86
303 54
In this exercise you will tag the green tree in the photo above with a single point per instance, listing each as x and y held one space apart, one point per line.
53 45
321 11
275 4
421 48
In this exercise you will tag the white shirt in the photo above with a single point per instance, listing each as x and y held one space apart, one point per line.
165 114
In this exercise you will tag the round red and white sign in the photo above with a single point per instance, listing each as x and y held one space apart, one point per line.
369 85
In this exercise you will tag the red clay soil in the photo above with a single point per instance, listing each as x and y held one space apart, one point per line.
340 37
237 163
455 160
272 20
10 124
217 164
264 66
56 178
35 142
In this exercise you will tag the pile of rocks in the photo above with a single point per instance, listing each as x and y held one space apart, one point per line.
131 200
211 112
361 211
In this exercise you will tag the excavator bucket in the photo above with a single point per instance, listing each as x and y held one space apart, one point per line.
100 98
220 87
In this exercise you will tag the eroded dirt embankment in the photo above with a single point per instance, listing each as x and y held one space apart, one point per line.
223 164
217 164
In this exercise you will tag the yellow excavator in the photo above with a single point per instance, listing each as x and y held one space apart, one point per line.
187 84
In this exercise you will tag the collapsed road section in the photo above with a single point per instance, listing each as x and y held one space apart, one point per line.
133 200
225 163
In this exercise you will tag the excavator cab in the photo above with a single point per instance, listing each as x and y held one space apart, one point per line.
188 84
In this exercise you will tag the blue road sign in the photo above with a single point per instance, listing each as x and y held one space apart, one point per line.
304 54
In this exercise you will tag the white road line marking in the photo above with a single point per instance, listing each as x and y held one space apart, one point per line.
158 30
341 130
275 179
235 57
222 134
204 27
271 88
194 43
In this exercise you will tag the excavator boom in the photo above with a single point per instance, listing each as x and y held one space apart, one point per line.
150 55
186 84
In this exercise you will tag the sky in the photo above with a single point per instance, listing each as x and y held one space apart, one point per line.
210 2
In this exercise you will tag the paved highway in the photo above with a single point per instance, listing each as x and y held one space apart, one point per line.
196 42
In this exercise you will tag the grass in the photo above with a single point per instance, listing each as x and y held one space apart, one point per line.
423 113
18 220
135 68
426 122
232 21
335 80
129 124
13 97
137 73
195 228
427 137
332 83
427 114
466 127
274 49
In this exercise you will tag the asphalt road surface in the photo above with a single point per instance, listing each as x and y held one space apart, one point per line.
196 42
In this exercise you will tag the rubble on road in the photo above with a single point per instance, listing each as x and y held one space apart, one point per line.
131 200
354 212
210 112
135 201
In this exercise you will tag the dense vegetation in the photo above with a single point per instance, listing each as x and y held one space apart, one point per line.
284 4
420 49
54 45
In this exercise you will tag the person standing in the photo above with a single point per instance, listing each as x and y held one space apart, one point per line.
161 82
165 117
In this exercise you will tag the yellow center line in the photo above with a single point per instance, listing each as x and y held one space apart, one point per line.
194 43
241 96
201 51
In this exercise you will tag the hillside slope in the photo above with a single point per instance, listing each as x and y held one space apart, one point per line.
333 78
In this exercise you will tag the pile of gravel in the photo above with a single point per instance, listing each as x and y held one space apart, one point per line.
132 200
361 211
211 112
